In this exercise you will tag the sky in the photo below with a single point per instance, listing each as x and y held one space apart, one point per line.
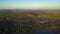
29 4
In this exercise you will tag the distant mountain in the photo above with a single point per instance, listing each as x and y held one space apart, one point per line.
6 11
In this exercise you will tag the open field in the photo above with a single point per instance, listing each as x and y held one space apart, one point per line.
27 21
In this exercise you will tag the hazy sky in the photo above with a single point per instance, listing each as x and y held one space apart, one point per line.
29 4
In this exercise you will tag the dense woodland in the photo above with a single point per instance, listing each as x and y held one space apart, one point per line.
22 22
